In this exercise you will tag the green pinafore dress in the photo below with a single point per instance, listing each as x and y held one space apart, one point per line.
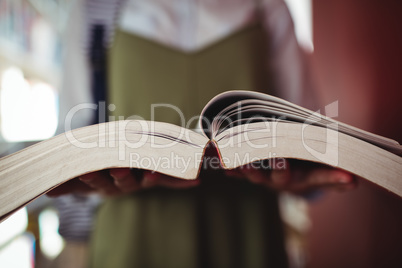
225 222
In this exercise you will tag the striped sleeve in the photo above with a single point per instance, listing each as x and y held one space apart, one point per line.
101 13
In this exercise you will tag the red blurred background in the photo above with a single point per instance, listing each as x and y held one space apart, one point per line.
358 61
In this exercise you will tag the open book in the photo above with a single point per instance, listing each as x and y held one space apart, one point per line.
244 127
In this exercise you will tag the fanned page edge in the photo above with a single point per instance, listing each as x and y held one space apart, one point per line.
256 141
384 142
30 173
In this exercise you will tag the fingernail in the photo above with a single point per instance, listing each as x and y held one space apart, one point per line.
118 173
341 177
89 176
344 179
150 179
85 179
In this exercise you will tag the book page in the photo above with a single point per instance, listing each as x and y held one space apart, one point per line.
232 108
252 142
159 147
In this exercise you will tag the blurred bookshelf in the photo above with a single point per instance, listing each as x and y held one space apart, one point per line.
31 45
30 37
31 55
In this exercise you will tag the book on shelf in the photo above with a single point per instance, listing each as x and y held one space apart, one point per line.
243 126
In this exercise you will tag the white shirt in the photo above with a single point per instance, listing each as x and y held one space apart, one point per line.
190 25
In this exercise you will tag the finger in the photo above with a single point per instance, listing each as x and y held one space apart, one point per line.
100 181
255 175
341 180
150 179
324 177
125 180
280 175
153 179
